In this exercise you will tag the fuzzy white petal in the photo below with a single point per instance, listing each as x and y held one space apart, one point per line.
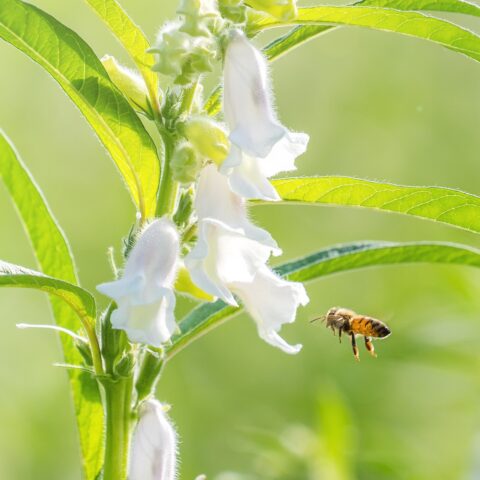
224 255
215 200
272 302
247 101
261 146
153 453
144 294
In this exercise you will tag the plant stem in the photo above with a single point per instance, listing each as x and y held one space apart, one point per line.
117 400
167 196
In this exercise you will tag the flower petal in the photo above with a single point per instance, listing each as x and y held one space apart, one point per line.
224 255
215 200
247 101
153 454
272 302
246 178
144 295
150 323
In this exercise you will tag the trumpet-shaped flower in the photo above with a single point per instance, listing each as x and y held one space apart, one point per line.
229 246
153 454
144 294
262 146
230 259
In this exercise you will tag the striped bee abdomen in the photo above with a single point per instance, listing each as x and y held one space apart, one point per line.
369 327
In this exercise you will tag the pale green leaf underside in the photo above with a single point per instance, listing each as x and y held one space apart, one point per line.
130 36
409 23
55 259
77 298
332 260
445 205
74 65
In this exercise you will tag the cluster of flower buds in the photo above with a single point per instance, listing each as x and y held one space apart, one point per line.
186 48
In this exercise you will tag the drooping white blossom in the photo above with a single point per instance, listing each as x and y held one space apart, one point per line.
272 302
262 146
230 259
144 295
153 454
229 246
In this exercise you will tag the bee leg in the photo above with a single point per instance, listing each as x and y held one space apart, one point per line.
355 348
369 346
340 335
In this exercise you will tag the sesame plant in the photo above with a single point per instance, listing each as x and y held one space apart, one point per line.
211 158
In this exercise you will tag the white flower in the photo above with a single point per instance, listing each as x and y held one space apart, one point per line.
144 295
153 454
230 259
264 146
272 302
229 247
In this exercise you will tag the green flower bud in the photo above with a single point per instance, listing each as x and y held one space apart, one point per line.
208 137
234 10
128 81
185 163
281 9
181 55
125 366
199 16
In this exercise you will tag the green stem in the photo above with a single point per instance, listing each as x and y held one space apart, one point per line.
167 196
117 428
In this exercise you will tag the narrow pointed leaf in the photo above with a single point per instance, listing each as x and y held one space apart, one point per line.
450 6
81 301
131 37
74 65
445 205
340 258
55 259
409 23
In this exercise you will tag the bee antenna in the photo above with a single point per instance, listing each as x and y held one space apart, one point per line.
322 318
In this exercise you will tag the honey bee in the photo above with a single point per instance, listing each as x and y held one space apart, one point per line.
349 322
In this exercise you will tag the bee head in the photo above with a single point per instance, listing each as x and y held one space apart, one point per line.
332 312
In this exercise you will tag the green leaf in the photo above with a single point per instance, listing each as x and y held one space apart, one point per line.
409 23
445 205
76 297
74 65
55 259
450 6
131 37
332 260
301 34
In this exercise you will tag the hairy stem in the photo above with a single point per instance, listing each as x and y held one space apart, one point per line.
117 401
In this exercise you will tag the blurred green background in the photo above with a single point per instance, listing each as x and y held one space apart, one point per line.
378 106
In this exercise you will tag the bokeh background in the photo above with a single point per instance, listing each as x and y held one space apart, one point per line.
378 106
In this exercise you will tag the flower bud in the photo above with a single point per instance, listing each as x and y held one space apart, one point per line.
185 163
281 9
208 137
128 81
234 10
153 455
199 16
125 366
182 55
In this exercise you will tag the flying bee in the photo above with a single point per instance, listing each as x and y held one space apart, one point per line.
348 322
